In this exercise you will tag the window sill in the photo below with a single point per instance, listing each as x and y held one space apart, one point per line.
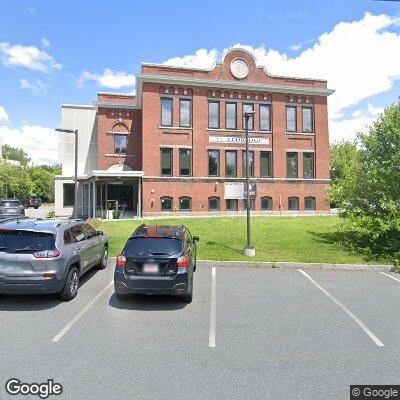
119 155
177 128
301 133
219 130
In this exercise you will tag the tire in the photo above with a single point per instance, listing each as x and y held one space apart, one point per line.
121 297
104 258
35 208
71 286
187 298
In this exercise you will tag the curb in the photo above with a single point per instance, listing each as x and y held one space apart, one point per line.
294 265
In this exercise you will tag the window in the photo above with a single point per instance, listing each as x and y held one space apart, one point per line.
230 115
185 203
185 162
185 112
248 108
252 204
166 111
231 205
308 165
120 144
77 233
213 162
213 204
251 163
291 125
291 165
266 203
293 204
265 117
307 119
68 237
309 203
69 194
265 164
213 114
230 163
166 203
166 162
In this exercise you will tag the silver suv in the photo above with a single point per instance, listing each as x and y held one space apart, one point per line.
48 256
11 208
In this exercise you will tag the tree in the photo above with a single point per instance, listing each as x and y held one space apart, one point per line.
368 192
42 183
14 181
16 154
344 157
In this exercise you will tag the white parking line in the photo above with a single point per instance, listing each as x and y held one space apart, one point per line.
390 276
213 315
374 338
80 314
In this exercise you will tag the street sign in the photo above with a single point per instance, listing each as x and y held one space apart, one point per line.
234 190
253 191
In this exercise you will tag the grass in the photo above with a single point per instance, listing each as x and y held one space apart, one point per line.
299 239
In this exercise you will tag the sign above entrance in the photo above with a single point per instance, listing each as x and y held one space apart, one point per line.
238 139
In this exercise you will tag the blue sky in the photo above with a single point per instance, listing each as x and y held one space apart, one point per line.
54 52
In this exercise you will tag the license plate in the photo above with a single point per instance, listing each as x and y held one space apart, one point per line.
150 268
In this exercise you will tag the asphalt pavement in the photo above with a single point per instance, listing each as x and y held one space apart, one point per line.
249 333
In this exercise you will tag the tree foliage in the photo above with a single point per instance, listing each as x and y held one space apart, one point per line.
16 154
367 189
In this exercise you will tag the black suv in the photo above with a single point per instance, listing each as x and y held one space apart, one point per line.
157 260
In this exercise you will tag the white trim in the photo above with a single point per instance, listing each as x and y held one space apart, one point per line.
235 85
111 174
85 106
116 94
179 128
301 133
102 104
232 178
222 130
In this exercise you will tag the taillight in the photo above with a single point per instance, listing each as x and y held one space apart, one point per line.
47 254
121 261
182 263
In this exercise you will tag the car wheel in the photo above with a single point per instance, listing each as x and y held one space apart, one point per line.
35 208
121 297
104 259
71 286
187 298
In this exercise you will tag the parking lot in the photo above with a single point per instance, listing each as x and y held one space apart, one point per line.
248 334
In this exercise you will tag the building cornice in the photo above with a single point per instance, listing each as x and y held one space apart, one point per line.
105 104
163 79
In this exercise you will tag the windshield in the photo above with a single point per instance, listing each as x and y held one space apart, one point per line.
10 203
144 246
25 241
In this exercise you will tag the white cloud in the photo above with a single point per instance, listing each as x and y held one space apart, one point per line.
39 142
295 47
3 115
36 86
45 42
347 129
29 57
109 78
202 58
356 113
375 110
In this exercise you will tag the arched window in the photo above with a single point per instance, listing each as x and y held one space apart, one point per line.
213 203
120 127
293 204
185 203
309 203
166 203
266 203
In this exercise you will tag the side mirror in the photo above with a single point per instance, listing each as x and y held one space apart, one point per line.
100 233
196 238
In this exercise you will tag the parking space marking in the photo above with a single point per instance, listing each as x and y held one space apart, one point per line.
213 314
374 338
390 276
80 314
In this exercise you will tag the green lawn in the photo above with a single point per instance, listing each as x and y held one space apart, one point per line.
302 239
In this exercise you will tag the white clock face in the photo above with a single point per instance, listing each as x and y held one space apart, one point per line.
239 68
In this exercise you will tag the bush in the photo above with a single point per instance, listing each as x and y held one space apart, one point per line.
51 214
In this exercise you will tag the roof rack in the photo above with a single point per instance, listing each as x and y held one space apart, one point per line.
8 219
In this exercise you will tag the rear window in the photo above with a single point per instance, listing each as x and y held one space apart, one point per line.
10 203
144 247
25 241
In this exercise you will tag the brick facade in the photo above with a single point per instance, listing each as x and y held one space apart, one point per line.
140 119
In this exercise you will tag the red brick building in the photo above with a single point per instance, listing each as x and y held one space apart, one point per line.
179 143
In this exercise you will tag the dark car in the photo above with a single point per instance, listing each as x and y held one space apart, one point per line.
33 201
11 208
157 259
